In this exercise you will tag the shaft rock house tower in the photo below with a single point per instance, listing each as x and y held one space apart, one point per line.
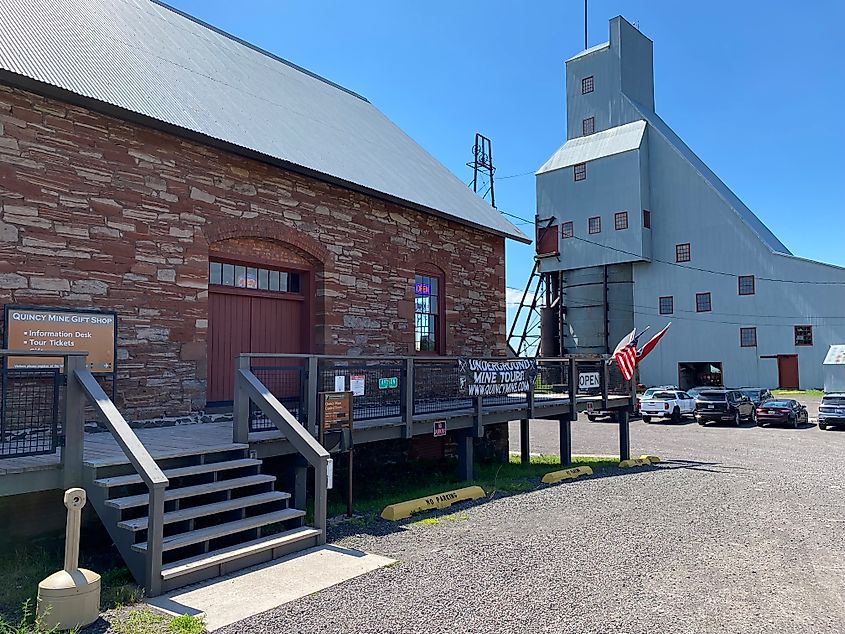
634 230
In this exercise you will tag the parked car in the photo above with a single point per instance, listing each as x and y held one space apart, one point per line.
666 404
695 391
783 411
832 410
724 405
757 395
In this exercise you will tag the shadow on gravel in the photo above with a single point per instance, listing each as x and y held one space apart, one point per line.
697 465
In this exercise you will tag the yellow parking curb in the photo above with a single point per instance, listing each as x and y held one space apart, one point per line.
634 462
402 510
651 459
566 474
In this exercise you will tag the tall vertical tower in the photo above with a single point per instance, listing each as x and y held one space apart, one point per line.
593 196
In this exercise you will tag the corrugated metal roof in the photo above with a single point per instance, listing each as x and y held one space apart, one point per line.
835 355
592 49
747 216
616 140
151 60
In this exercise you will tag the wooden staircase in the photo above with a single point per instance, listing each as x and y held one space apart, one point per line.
221 514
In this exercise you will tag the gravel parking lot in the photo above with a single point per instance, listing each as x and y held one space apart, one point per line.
739 530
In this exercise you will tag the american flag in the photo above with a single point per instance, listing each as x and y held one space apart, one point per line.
627 355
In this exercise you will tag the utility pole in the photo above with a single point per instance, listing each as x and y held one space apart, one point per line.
482 162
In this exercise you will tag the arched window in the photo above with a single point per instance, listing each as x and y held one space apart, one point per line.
428 310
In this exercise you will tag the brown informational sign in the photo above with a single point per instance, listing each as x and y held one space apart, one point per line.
335 410
64 331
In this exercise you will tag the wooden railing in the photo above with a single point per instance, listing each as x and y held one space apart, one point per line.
81 384
248 389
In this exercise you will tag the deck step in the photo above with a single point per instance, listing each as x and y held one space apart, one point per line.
224 555
165 454
181 472
185 492
140 524
212 532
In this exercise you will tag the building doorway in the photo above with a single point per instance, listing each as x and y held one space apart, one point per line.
700 374
252 308
788 371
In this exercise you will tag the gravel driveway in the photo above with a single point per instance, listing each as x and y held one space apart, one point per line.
739 530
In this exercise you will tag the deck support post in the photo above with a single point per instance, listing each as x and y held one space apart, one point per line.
240 406
478 417
524 441
605 381
565 427
465 455
624 434
299 479
74 424
408 397
155 538
311 397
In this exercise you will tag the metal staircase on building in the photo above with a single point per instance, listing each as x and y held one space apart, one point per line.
221 514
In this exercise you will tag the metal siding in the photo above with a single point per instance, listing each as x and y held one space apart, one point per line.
595 146
148 59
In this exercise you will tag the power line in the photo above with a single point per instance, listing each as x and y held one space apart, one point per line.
515 175
696 268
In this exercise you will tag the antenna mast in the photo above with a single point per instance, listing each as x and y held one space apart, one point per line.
585 25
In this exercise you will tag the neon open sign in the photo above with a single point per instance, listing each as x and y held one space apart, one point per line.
422 288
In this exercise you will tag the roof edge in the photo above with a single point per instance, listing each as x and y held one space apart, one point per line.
257 49
22 82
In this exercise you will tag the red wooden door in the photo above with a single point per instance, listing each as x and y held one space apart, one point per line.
788 371
240 323
275 325
228 336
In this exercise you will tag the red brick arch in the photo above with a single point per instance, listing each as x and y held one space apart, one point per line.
267 230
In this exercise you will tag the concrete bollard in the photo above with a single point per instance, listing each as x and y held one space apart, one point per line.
70 598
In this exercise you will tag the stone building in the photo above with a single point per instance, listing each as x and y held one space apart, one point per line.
223 200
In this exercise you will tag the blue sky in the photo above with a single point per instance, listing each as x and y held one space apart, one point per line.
755 88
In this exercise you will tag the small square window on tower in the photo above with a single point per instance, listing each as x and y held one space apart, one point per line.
580 171
620 220
746 285
567 229
803 335
588 126
646 219
682 252
667 305
587 85
594 224
748 337
702 303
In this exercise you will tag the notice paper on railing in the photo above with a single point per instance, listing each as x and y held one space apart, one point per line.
484 377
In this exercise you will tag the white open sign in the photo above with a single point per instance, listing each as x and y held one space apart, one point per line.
587 380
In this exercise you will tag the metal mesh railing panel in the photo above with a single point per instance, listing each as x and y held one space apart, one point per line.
288 384
437 388
382 383
29 408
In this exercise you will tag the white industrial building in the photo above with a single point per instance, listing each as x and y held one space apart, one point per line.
633 229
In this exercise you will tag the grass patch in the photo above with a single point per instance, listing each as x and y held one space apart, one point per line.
27 623
798 393
23 568
419 480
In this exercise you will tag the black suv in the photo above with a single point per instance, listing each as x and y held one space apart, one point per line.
724 405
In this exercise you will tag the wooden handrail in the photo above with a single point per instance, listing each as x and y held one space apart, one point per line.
134 449
144 464
295 433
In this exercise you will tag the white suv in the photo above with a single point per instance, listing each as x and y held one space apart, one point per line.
666 404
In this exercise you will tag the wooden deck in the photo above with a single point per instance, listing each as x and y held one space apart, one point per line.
37 473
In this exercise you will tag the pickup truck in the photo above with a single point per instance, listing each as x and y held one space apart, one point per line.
666 404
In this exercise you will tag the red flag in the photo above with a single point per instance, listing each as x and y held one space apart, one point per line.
651 343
